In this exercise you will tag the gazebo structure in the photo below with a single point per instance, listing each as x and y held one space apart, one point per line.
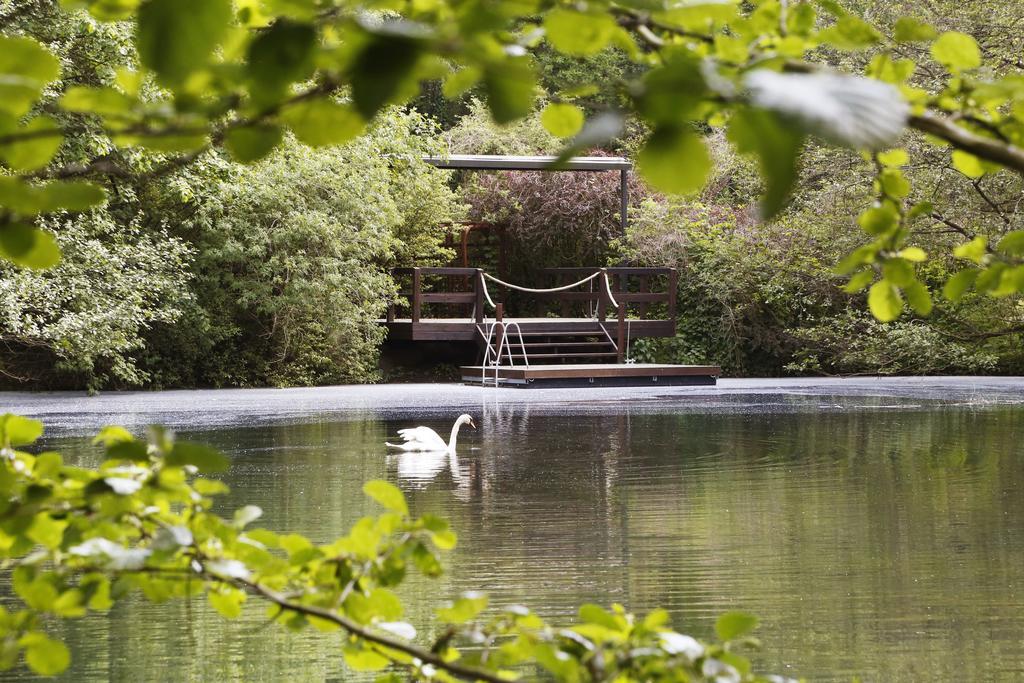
573 326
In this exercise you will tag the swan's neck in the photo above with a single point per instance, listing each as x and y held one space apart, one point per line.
454 436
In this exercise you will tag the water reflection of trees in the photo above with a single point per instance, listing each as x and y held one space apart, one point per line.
877 541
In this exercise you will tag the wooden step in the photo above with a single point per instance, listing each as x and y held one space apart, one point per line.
583 354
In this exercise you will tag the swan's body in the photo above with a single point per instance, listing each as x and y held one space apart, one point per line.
426 439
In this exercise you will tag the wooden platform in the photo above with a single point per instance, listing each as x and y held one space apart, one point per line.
465 329
594 375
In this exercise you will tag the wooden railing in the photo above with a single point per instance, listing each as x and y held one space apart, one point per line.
460 292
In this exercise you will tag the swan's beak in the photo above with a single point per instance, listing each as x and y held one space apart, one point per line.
471 423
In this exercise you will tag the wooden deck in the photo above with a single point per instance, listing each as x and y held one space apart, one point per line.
465 329
593 375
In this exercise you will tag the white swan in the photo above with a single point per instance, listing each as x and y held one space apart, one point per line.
426 439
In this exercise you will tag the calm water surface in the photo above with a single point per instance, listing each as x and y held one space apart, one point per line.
875 538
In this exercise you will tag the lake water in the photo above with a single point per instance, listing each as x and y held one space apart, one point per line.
877 532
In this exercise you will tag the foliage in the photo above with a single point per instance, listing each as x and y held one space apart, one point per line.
756 299
238 79
82 322
554 219
291 257
476 133
79 540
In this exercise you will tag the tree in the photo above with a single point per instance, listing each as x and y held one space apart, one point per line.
763 70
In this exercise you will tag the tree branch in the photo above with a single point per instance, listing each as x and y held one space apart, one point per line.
1001 153
463 671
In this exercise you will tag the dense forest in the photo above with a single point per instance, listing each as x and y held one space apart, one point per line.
223 274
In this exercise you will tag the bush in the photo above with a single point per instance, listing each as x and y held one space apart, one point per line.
294 251
81 323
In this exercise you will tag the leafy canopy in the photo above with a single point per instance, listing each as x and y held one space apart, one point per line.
237 74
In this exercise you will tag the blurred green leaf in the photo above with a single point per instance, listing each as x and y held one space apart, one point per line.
732 625
26 67
322 122
956 51
578 33
28 246
19 431
561 119
202 457
777 147
38 142
380 70
252 143
510 87
674 160
387 494
884 301
176 38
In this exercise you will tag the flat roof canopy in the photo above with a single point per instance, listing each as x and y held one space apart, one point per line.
494 162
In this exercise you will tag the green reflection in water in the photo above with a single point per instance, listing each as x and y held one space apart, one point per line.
881 542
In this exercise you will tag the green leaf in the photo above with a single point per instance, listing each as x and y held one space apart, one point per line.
859 281
956 51
380 70
561 119
1012 243
386 494
464 609
26 67
894 183
893 158
974 250
595 614
103 101
579 33
959 283
732 625
45 656
360 659
777 147
28 246
227 601
16 430
112 434
510 87
914 254
136 451
323 122
884 301
176 38
910 30
674 160
918 297
898 271
280 55
968 164
879 220
850 33
47 531
444 540
252 143
71 195
41 139
203 458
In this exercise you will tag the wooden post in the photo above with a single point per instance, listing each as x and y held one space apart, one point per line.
621 332
478 287
499 316
645 287
673 286
602 299
417 302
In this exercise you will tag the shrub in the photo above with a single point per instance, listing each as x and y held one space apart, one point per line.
292 273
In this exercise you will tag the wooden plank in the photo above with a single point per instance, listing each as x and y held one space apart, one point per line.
416 294
599 370
448 297
495 162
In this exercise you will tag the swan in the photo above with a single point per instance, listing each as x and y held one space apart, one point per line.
426 439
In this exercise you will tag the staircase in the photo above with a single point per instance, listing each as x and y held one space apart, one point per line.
546 347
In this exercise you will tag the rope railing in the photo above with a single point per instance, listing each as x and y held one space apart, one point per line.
535 290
